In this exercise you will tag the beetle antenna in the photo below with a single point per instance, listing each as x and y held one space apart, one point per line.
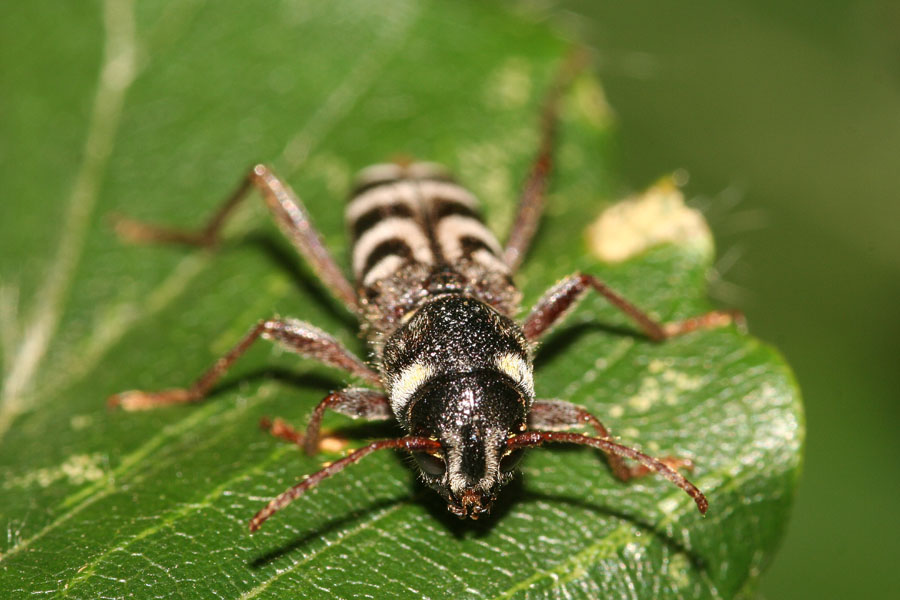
536 438
410 443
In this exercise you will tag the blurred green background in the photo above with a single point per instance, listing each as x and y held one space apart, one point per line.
787 118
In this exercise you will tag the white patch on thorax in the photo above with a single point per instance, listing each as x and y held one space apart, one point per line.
406 383
518 370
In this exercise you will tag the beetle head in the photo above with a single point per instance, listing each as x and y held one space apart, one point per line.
472 415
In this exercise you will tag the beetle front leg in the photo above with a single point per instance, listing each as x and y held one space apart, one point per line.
296 336
564 295
357 403
559 415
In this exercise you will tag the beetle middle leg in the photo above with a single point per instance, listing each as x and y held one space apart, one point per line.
559 415
563 296
357 403
296 336
289 213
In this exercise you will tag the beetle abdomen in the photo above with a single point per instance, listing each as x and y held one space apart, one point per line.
400 215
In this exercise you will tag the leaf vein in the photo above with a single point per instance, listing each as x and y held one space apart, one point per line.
117 72
176 514
343 536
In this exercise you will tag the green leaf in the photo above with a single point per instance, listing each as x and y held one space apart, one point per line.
156 110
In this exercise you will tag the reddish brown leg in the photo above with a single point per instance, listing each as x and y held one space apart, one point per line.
207 236
356 403
410 444
563 296
296 336
559 415
531 201
289 213
530 439
281 429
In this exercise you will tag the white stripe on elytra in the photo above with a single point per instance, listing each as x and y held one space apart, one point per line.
451 229
385 267
404 229
390 171
445 190
379 172
405 384
400 192
490 260
410 192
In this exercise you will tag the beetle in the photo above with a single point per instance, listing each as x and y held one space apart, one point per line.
435 296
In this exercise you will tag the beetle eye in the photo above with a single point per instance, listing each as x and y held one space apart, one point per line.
430 464
511 460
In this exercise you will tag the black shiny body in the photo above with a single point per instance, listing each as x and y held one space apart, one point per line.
456 335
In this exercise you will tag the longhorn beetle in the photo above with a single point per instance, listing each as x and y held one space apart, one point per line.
435 298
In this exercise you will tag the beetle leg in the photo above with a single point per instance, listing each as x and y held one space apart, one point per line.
410 444
357 403
564 295
289 213
530 439
559 415
296 336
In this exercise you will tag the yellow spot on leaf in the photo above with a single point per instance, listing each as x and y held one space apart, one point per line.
657 216
78 469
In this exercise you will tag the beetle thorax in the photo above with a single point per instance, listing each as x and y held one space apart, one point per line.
450 337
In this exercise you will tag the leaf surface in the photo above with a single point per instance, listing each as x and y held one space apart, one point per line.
156 110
